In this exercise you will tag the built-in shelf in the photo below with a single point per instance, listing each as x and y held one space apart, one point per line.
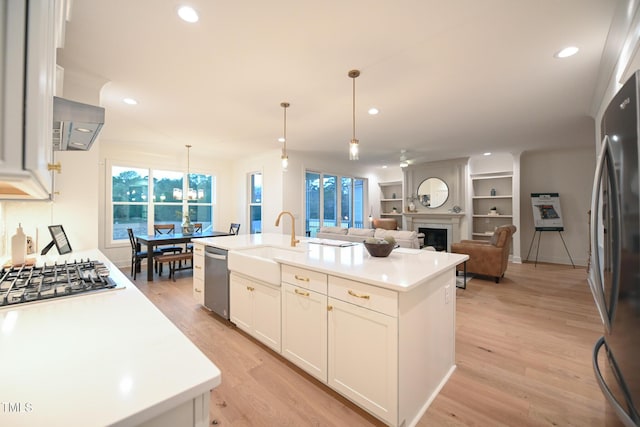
391 197
489 191
492 197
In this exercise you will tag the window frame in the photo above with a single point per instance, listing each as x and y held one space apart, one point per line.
352 199
251 204
150 204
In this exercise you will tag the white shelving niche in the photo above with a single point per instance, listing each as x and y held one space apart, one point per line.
491 190
391 197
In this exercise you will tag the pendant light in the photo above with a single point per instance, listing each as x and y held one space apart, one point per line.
284 157
191 193
353 144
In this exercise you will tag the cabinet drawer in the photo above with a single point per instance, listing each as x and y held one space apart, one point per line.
304 278
372 297
198 290
198 266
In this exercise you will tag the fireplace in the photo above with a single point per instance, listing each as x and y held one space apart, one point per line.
436 237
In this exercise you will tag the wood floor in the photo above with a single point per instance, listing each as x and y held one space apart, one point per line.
523 354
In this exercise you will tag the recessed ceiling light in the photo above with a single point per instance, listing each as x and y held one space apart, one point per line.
384 166
130 101
187 13
487 153
281 139
373 111
567 52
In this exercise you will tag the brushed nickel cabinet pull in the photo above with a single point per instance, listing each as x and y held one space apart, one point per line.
304 294
198 267
197 290
353 294
301 278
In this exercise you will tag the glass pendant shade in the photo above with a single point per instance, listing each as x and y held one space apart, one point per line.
353 149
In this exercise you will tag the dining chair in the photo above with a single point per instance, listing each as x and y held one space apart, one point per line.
166 229
234 228
137 254
197 228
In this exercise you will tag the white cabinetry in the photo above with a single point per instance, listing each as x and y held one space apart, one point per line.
304 319
363 346
192 413
390 198
198 273
27 77
255 308
491 191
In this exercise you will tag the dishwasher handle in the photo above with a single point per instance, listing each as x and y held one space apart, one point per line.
215 256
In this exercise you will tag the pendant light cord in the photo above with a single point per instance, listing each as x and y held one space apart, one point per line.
354 107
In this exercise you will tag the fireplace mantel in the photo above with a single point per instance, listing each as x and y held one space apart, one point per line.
430 215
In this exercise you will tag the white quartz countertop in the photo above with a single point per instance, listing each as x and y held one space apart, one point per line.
402 270
105 358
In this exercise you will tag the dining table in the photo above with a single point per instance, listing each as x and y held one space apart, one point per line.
152 240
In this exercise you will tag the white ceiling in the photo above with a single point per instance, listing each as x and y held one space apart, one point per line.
451 78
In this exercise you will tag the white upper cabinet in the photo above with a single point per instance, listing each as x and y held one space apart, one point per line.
27 30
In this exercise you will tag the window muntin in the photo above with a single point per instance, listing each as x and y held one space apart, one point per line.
132 207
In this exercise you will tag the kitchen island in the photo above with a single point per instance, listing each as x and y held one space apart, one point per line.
96 359
380 331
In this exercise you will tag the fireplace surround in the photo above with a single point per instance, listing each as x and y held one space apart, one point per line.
448 221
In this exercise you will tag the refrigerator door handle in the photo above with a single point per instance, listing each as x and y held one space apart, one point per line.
595 277
620 412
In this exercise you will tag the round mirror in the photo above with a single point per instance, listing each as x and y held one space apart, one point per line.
433 192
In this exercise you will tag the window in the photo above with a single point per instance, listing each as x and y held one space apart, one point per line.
341 201
132 206
255 203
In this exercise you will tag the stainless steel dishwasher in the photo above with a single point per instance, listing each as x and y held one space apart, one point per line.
216 281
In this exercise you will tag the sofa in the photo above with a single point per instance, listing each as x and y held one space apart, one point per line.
406 239
487 258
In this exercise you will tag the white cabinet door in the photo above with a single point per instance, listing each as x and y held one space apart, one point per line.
266 315
255 308
304 329
26 119
241 303
363 358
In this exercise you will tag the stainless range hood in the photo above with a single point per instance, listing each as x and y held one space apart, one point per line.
75 125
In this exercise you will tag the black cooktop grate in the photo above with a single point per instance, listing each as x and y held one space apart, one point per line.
30 283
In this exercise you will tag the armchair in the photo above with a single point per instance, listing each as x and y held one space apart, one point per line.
385 223
487 258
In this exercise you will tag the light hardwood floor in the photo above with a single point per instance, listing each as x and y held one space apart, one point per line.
523 354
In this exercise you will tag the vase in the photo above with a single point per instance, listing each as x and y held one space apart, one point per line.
187 226
412 207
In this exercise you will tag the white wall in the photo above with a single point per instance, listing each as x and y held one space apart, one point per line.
568 172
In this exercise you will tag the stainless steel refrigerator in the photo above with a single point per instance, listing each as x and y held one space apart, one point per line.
614 273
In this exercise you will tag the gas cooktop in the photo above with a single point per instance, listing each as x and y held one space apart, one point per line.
23 284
